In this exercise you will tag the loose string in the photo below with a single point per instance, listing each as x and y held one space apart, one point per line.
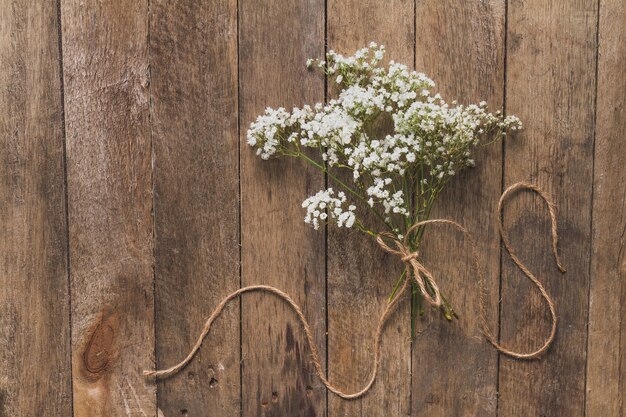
415 271
555 237
307 332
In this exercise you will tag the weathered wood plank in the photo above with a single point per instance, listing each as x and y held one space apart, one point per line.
193 61
35 376
461 47
109 177
606 363
276 38
360 275
551 50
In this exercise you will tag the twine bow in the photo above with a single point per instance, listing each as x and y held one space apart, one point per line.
428 287
410 259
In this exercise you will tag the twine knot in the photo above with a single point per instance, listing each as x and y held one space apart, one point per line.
414 268
409 257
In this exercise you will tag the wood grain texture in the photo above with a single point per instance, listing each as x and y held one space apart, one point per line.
158 96
551 51
193 61
606 358
275 40
360 274
106 74
35 376
461 47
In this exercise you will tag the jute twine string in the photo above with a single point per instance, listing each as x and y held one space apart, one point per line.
411 263
414 271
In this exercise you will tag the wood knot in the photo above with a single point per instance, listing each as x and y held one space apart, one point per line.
99 350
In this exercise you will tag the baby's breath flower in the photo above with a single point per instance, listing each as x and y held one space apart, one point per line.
398 139
335 206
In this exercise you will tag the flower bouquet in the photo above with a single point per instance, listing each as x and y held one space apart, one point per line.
388 144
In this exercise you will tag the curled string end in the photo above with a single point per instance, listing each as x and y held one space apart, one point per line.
557 258
555 236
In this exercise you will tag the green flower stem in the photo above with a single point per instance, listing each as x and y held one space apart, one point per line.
397 286
417 302
448 311
416 299
407 202
364 229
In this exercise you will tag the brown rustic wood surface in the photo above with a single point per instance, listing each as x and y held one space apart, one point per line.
360 275
130 205
464 382
193 68
606 356
109 188
277 248
34 293
551 64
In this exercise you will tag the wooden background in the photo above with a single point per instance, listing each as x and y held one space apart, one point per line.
130 205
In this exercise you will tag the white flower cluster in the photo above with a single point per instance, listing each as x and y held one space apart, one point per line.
400 143
324 205
449 133
269 127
